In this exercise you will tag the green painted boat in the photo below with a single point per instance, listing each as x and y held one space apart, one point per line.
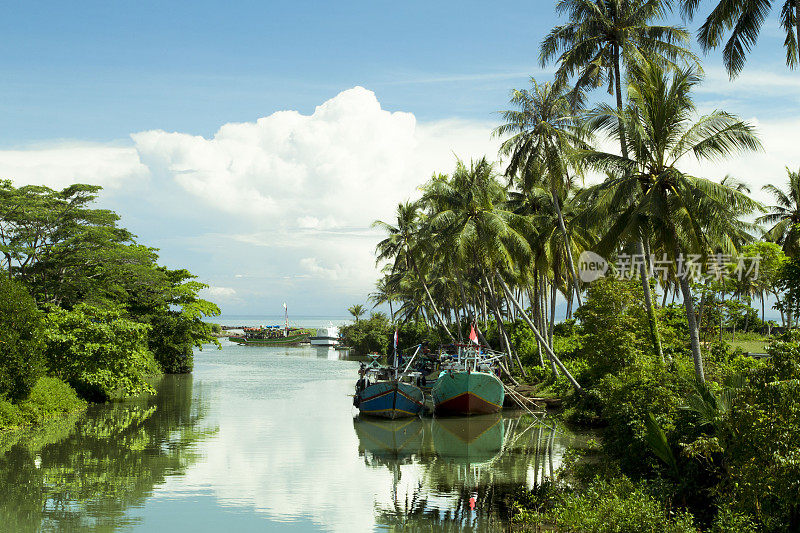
467 393
277 341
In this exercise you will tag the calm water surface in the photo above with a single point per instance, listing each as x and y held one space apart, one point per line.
266 439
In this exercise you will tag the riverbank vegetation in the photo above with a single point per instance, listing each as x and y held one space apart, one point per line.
661 271
86 312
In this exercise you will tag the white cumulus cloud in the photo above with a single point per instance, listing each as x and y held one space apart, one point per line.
63 164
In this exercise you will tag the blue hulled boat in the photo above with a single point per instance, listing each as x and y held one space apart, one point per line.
380 391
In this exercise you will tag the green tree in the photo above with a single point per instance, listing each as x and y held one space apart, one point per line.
649 195
357 311
603 36
170 304
98 352
784 218
743 18
21 362
543 133
402 247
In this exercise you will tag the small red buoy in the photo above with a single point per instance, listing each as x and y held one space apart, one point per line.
472 503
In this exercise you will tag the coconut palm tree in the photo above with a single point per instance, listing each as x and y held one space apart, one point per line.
357 311
468 221
785 216
401 246
649 195
603 36
743 18
543 132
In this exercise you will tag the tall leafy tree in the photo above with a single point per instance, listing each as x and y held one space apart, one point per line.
743 19
402 247
543 133
784 217
357 311
599 41
648 192
601 37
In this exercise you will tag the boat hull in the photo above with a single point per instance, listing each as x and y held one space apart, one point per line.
391 399
467 393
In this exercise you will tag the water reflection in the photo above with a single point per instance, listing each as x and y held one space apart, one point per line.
262 438
86 472
438 465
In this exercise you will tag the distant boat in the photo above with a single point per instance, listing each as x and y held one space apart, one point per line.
271 336
467 385
327 336
381 392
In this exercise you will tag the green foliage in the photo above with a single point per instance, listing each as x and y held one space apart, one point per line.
618 505
50 398
657 440
170 305
762 459
367 336
626 400
615 325
20 341
376 334
357 311
789 282
100 353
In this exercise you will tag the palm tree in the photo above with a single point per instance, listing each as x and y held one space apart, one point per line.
543 132
469 222
649 195
785 216
401 246
601 35
600 38
385 292
744 19
357 311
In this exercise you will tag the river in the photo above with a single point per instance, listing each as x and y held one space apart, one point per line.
266 439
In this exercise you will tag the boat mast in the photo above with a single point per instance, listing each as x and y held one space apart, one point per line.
286 320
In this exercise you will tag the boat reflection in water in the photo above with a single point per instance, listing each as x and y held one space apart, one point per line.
440 465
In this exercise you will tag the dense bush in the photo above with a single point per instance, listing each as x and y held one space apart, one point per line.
48 399
615 325
171 340
367 336
21 344
615 506
760 443
376 334
99 353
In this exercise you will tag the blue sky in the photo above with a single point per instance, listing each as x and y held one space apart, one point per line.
88 86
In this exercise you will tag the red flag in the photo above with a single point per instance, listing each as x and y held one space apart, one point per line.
473 337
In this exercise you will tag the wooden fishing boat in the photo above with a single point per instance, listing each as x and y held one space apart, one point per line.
381 391
467 385
258 339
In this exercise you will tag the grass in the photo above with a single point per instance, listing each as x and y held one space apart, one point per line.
754 346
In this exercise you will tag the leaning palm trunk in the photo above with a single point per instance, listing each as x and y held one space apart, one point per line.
567 247
691 321
538 335
501 330
430 298
648 301
551 327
